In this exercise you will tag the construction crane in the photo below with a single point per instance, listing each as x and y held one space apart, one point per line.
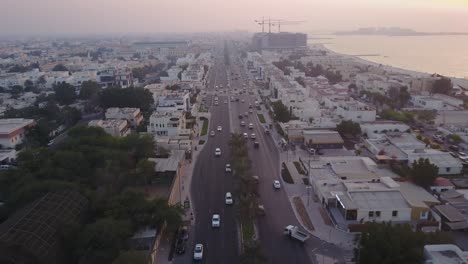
285 22
268 22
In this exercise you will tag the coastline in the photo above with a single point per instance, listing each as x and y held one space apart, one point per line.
390 68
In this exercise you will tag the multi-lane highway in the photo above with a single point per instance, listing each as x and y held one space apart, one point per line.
210 182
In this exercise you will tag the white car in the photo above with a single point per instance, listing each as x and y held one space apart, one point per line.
212 133
217 152
216 220
276 184
242 123
220 128
216 103
253 136
246 135
228 167
250 126
225 101
228 198
198 252
242 101
250 111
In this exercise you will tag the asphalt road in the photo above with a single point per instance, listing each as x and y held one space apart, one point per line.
210 184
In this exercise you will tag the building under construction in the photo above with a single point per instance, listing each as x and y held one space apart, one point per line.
279 41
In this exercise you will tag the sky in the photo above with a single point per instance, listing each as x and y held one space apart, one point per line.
38 17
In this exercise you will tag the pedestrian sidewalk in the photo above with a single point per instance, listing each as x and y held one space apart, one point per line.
181 192
324 228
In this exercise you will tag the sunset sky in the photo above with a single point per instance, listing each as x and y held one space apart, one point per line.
148 16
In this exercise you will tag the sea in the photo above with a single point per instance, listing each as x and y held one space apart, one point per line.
446 55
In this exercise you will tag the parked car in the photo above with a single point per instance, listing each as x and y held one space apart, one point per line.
180 246
217 152
228 167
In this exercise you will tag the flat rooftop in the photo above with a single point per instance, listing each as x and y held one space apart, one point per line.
9 125
379 200
348 168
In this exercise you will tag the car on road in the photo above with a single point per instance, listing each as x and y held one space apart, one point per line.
180 246
198 252
267 131
217 152
242 123
216 103
253 136
212 133
242 101
246 135
216 220
256 144
228 168
220 128
225 101
240 116
250 111
246 114
250 126
228 198
276 184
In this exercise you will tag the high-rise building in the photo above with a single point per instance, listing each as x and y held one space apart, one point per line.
282 40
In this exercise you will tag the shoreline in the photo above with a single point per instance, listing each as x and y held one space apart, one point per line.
456 80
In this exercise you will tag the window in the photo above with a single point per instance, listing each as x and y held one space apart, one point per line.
371 213
377 213
447 169
394 213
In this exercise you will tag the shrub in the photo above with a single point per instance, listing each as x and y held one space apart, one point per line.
286 175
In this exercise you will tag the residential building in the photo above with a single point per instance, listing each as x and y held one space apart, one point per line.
167 124
378 129
174 102
442 184
323 139
114 127
445 254
115 77
132 115
13 131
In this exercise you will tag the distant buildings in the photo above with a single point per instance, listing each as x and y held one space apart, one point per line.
279 41
115 77
13 131
168 124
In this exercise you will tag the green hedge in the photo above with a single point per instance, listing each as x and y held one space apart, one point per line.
299 167
261 118
204 130
286 175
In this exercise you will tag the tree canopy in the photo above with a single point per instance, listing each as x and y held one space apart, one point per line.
348 127
387 243
60 67
65 93
423 172
281 111
127 97
103 168
89 89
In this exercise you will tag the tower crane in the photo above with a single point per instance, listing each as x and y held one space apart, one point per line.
285 22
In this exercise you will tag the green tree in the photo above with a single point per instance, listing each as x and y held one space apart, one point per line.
131 257
28 85
128 97
100 242
387 243
348 127
442 86
16 90
423 172
38 135
89 89
253 255
456 139
59 67
281 112
65 93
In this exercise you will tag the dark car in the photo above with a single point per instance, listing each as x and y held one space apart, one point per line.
240 116
454 147
256 144
180 246
183 233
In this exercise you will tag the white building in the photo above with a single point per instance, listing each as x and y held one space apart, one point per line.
378 129
132 115
174 102
167 124
13 131
445 254
114 127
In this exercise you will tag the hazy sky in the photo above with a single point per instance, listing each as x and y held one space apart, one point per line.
144 16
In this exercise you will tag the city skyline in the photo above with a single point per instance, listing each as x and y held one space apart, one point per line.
51 17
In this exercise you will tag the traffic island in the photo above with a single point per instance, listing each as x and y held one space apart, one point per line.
286 175
302 212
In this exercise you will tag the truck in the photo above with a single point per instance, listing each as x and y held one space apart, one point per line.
296 233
